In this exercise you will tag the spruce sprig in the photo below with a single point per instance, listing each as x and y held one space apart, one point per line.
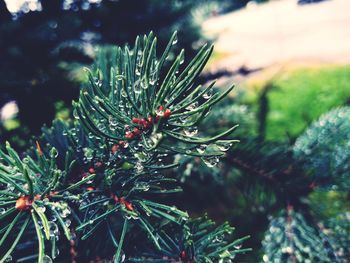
102 172
31 194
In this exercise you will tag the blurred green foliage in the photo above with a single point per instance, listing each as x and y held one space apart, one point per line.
325 146
301 96
297 97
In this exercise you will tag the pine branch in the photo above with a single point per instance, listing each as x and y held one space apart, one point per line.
101 173
290 238
324 146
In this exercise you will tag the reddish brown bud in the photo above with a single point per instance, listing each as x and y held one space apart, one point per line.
167 113
23 203
53 193
183 255
146 124
92 170
98 164
130 135
115 148
38 148
136 120
115 198
136 131
127 204
122 143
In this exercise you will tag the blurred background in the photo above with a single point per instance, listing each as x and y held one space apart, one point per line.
290 60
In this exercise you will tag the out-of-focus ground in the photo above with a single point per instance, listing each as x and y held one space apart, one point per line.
281 33
296 56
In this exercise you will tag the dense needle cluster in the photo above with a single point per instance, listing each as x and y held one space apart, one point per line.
98 179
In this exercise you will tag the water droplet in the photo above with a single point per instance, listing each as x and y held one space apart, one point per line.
154 139
184 119
218 239
138 167
47 259
123 93
182 58
67 222
139 56
122 258
208 94
144 84
2 210
138 71
98 82
174 40
210 161
124 144
75 114
55 253
153 77
42 209
65 212
223 146
190 131
53 152
142 186
137 87
112 121
192 106
139 62
201 148
88 153
238 246
101 126
160 112
53 229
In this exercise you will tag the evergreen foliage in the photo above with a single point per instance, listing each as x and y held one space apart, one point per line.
268 187
316 162
340 228
325 146
94 188
291 239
